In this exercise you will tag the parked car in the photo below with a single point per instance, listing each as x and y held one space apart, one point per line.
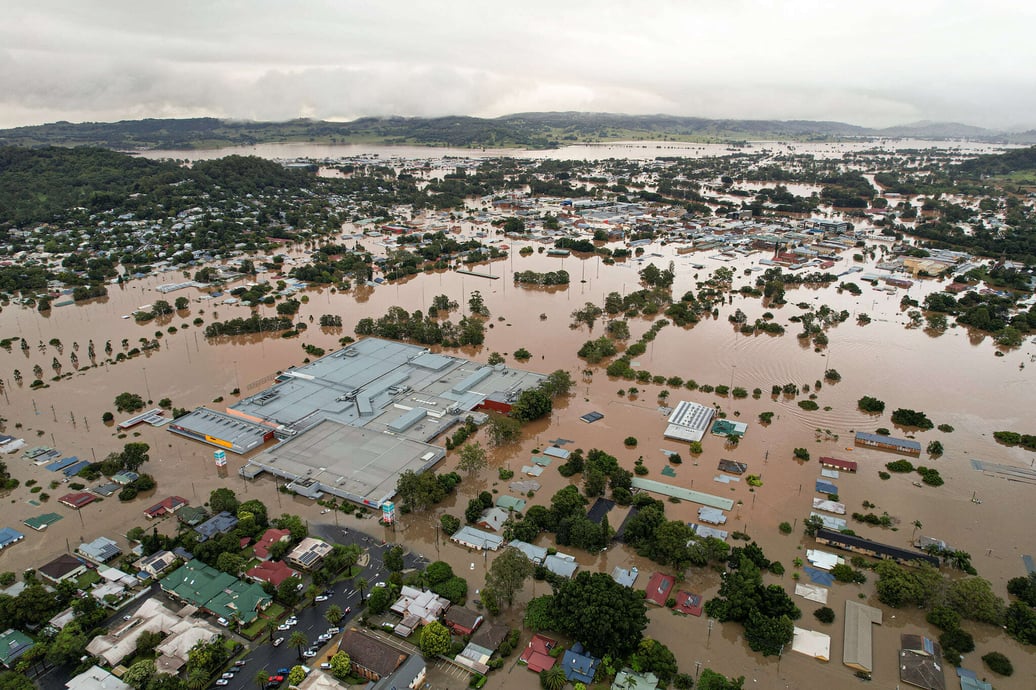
347 611
325 666
240 662
321 597
227 676
325 637
291 620
278 642
222 681
223 621
283 671
275 679
283 626
308 654
333 631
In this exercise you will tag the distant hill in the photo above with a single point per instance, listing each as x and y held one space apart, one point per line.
527 130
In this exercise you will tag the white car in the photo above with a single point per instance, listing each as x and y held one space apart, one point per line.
278 642
222 681
322 597
283 626
291 620
325 637
223 621
227 676
308 654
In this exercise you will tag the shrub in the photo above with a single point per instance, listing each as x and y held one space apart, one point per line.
884 475
906 417
945 428
765 417
801 454
630 442
695 447
785 527
869 404
808 405
900 465
825 614
998 663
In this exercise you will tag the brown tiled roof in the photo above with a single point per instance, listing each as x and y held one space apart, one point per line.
371 653
465 618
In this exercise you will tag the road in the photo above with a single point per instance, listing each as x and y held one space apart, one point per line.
311 619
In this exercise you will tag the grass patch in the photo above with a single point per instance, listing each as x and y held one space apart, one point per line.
88 579
274 611
257 628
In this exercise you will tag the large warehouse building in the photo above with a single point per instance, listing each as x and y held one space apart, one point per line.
351 422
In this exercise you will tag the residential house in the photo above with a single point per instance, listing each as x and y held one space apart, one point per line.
627 679
13 643
166 506
537 653
417 608
579 667
493 519
95 678
216 592
269 538
192 516
217 524
64 567
157 563
371 658
77 500
309 553
9 536
274 572
659 588
462 621
100 550
867 547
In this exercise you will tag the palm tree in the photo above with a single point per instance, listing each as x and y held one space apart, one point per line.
917 526
298 640
333 614
553 678
261 678
361 584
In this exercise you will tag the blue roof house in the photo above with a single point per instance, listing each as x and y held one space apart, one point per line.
579 667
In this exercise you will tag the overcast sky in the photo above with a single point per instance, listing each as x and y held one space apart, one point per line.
874 63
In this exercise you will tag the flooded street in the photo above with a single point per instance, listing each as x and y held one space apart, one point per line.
954 378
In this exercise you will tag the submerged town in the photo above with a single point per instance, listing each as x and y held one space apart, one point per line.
633 415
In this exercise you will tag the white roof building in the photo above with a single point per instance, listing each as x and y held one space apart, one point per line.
689 421
95 678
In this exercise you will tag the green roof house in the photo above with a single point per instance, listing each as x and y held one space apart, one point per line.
217 592
13 643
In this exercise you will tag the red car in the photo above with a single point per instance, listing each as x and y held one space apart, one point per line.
275 680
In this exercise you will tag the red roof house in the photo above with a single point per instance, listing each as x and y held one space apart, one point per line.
537 655
836 464
76 501
274 572
166 506
688 603
269 538
659 588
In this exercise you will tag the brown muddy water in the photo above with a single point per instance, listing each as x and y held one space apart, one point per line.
954 378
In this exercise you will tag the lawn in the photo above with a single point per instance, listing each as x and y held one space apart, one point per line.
256 629
273 611
88 579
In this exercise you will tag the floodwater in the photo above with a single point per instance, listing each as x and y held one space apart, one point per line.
636 150
954 378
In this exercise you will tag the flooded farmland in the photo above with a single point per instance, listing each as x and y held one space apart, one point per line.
954 377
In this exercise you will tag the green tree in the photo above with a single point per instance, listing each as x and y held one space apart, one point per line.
68 645
502 431
333 614
508 573
298 640
230 563
393 559
340 665
362 584
472 457
435 639
287 591
975 599
553 678
260 678
128 402
532 403
138 675
223 499
710 680
869 404
539 613
379 600
655 657
294 524
602 614
296 675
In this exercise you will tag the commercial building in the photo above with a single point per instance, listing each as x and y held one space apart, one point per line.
371 658
850 542
689 421
898 445
350 423
838 464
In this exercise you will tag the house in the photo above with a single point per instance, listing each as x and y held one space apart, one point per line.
125 477
166 506
898 445
625 577
837 464
867 547
9 536
561 564
13 643
77 500
627 679
477 539
534 553
659 588
182 630
218 593
857 651
920 662
217 524
157 563
269 538
64 567
417 607
308 554
410 674
578 666
100 550
371 658
95 678
462 621
274 572
689 604
192 516
493 518
537 653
